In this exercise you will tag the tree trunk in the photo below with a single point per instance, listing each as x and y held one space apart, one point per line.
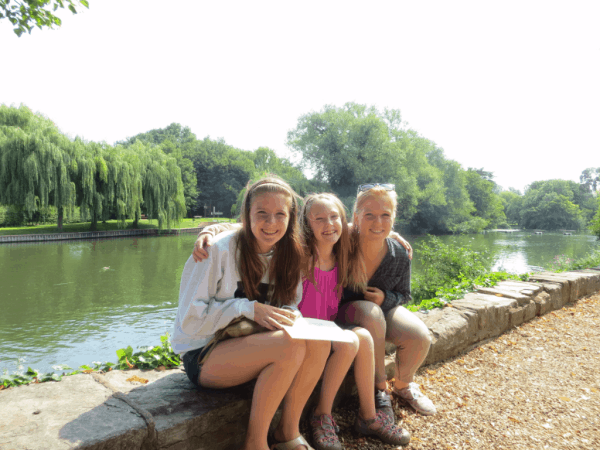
60 218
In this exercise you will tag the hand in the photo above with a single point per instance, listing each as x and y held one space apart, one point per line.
201 246
272 317
403 242
375 295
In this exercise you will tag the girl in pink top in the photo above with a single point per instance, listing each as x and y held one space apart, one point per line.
325 230
321 302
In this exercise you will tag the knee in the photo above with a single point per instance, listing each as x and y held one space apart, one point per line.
423 335
294 350
317 350
373 320
348 348
365 339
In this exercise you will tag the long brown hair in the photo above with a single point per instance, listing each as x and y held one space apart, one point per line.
357 271
284 269
341 248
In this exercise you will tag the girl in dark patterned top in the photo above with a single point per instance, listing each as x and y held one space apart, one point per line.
379 284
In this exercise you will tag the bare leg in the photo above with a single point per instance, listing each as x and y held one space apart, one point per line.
271 357
336 369
412 340
364 372
303 385
369 316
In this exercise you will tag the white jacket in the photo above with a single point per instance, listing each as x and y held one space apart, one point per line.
206 296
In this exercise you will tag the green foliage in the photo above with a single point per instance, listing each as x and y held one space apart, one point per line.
426 304
443 264
513 204
590 180
349 145
595 222
11 216
146 358
173 141
40 167
24 15
561 263
553 205
459 288
355 144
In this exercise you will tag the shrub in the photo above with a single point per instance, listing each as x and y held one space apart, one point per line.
12 216
561 263
444 265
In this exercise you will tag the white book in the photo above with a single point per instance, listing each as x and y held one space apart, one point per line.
317 330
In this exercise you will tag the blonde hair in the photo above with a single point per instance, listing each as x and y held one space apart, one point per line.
341 248
357 271
284 269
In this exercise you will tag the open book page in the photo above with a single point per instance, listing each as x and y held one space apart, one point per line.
317 330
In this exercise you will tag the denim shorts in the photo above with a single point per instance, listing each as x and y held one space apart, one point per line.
192 366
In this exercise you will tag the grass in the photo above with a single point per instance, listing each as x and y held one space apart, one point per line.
110 225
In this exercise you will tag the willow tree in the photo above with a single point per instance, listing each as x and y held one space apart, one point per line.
91 176
35 163
162 187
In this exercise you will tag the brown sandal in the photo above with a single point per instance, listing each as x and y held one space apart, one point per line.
388 431
324 431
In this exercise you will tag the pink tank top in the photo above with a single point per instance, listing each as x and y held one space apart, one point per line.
320 302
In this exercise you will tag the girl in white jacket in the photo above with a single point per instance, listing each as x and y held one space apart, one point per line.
255 273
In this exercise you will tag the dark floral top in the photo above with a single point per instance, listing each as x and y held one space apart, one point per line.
392 277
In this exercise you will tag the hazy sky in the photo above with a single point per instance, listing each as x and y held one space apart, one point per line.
510 86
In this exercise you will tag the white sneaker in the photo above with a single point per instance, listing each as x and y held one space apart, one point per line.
412 395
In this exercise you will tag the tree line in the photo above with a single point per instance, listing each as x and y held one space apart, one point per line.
40 167
169 173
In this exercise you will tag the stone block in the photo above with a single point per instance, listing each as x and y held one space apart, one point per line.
77 412
589 281
522 287
492 311
542 303
557 292
567 293
187 418
498 292
522 314
450 335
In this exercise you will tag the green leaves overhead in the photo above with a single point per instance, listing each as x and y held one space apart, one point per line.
26 14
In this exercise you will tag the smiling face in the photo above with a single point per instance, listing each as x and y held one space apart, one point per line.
269 219
375 218
325 221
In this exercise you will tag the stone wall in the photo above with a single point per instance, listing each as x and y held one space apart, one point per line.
94 234
112 411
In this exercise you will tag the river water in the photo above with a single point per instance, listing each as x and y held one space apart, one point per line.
75 302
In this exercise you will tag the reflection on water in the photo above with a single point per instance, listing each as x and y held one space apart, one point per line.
74 302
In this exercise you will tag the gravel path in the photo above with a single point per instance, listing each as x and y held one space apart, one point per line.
534 387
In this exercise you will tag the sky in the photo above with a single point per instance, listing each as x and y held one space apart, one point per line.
512 87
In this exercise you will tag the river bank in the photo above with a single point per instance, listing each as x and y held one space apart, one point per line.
74 302
162 410
101 234
93 235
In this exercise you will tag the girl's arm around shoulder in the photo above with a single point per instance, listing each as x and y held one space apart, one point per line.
397 290
208 235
